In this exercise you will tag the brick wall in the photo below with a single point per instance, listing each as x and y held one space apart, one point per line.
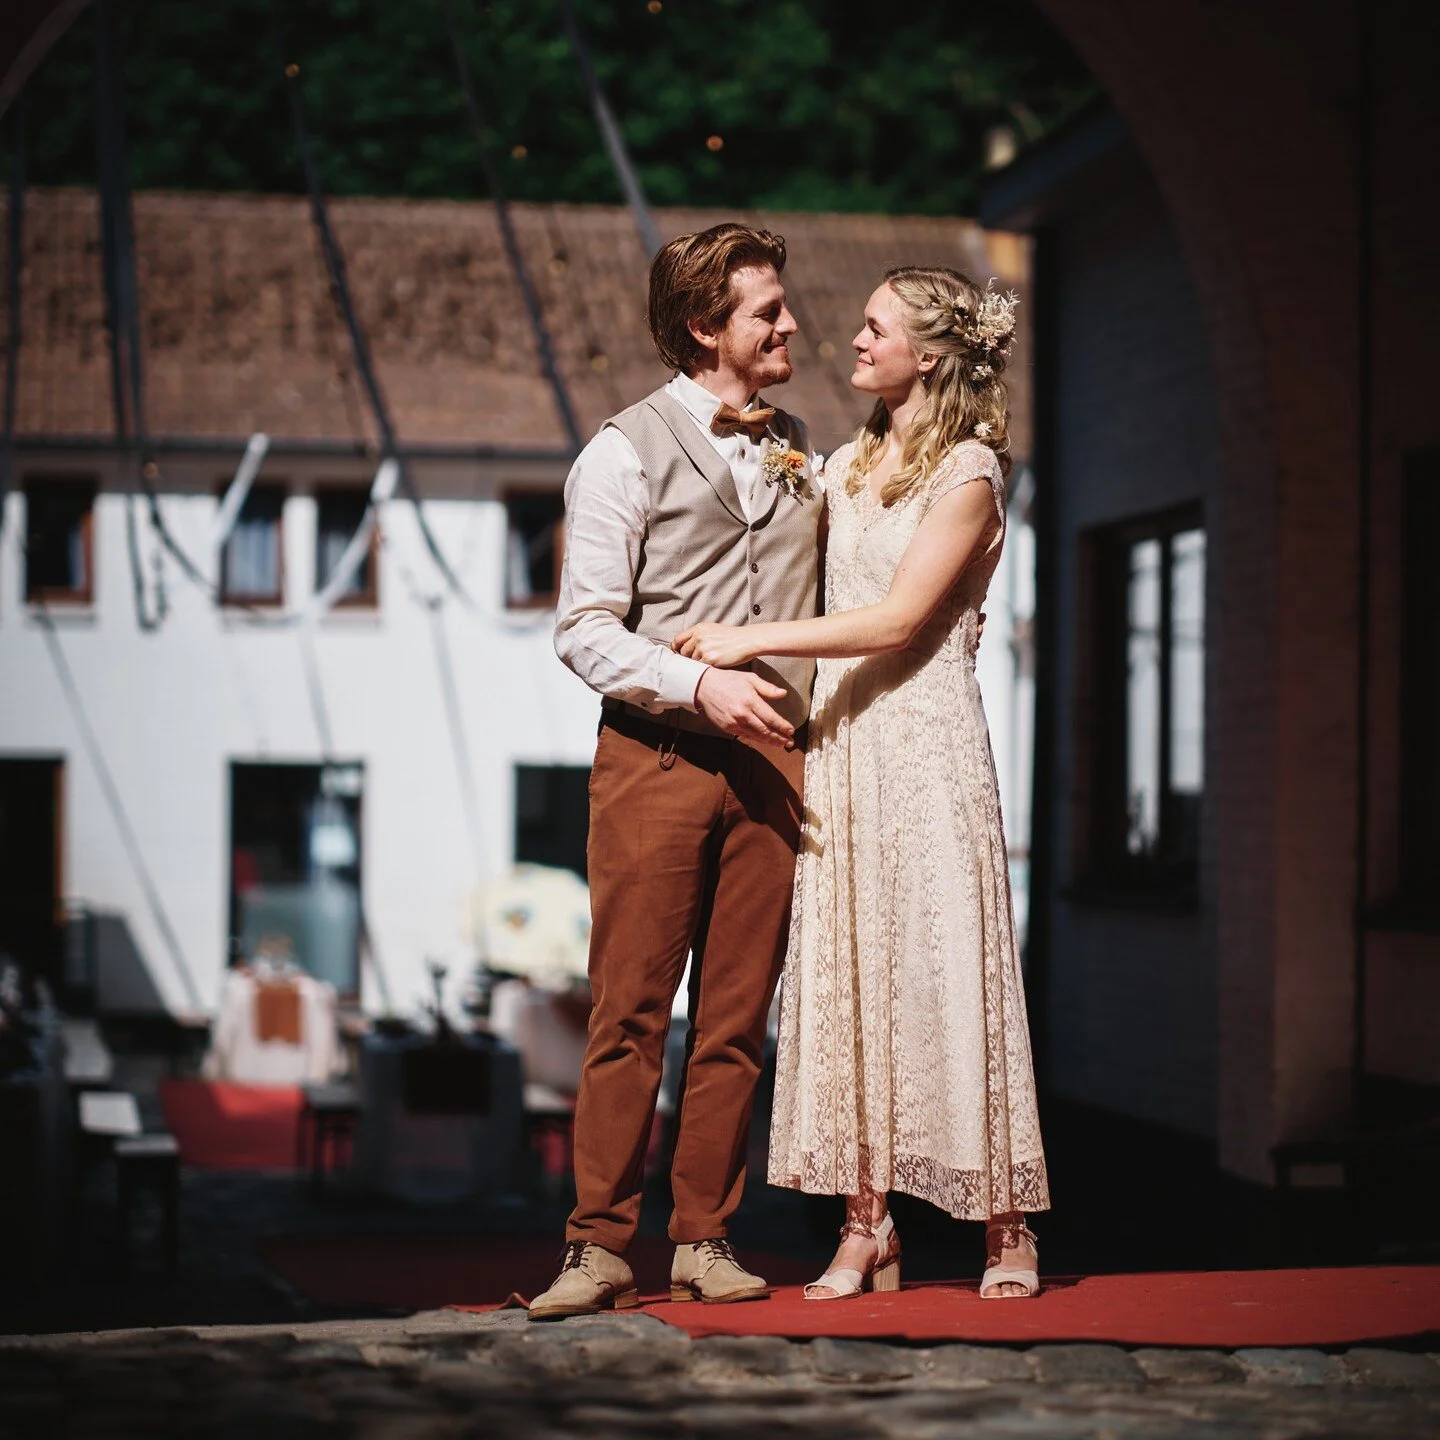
1132 998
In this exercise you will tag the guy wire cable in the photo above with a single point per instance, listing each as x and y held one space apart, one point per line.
123 317
634 191
610 133
340 288
143 618
121 295
13 290
106 120
108 164
110 792
507 231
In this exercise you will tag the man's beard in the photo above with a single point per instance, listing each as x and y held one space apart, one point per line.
777 371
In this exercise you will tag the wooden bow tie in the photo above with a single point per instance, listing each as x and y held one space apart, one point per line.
728 420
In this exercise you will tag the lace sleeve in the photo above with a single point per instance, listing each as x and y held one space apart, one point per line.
969 461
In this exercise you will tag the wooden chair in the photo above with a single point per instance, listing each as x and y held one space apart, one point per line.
328 1117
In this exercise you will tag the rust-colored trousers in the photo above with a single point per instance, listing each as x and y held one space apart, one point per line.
690 846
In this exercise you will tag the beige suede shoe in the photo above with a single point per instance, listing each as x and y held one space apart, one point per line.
709 1271
591 1280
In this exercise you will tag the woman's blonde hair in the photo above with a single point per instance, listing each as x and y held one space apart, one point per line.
970 330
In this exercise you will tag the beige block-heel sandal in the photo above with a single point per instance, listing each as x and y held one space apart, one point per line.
883 1274
1002 1235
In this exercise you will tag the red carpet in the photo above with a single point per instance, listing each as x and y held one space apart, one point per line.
220 1126
1225 1309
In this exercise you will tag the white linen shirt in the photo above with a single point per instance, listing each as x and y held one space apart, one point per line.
607 512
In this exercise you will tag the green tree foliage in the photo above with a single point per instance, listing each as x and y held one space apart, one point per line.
817 106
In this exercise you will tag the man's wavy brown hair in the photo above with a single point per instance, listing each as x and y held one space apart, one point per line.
690 285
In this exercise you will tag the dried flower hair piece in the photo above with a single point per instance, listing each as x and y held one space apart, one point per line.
991 329
994 330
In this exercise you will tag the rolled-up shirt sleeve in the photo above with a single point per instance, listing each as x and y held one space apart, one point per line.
606 514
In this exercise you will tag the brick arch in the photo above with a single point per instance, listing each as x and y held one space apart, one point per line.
1248 117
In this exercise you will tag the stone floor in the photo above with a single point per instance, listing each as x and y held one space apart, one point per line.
443 1374
284 1364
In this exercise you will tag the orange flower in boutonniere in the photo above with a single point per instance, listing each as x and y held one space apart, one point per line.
786 468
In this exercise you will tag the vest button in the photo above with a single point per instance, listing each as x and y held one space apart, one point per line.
754 609
754 568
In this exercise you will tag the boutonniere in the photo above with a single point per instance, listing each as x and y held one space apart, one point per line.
787 468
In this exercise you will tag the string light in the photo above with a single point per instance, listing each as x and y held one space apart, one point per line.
715 142
519 152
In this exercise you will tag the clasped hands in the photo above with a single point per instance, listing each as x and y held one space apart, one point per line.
724 645
736 701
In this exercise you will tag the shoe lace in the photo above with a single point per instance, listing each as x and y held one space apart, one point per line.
574 1255
716 1250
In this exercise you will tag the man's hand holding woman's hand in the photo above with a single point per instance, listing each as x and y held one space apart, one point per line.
735 700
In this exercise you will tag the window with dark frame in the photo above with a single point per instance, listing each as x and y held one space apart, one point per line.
1419 878
552 815
1147 722
252 564
339 512
59 541
295 864
534 547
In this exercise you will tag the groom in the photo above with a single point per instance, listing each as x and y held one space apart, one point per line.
698 503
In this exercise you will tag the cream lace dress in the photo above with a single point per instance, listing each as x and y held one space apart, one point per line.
904 1058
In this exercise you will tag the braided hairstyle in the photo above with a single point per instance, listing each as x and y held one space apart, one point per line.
971 330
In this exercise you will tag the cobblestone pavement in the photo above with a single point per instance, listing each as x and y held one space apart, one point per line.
443 1374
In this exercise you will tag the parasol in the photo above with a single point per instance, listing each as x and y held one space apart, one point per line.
535 923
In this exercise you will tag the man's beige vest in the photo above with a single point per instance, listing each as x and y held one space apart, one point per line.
702 560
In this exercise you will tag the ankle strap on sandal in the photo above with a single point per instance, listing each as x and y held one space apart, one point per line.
865 1230
1007 1235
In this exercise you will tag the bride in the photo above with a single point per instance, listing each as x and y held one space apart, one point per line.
904 1060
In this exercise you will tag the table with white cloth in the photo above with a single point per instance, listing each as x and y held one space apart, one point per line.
413 1148
246 1045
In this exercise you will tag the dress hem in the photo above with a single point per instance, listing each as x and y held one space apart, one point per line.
1029 1188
